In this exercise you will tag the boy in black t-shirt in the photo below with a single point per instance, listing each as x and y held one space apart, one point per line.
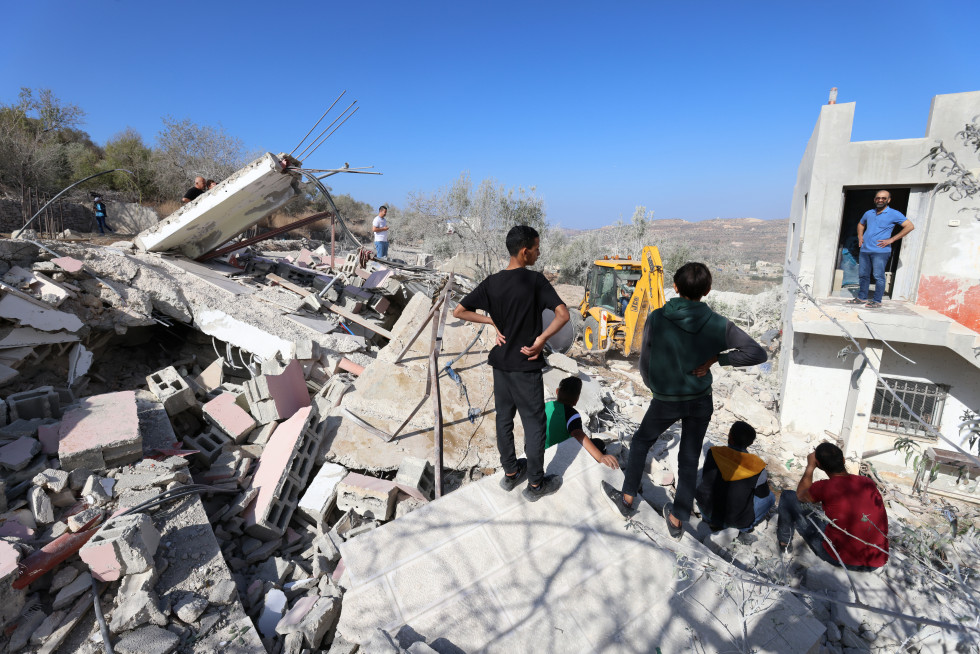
514 299
564 422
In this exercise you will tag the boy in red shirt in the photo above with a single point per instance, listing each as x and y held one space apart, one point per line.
858 528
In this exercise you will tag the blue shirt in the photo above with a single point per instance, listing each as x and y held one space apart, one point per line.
878 227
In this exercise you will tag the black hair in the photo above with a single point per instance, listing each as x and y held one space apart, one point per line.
693 280
830 458
742 434
520 237
569 387
382 207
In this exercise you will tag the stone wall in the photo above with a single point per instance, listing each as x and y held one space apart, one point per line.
124 217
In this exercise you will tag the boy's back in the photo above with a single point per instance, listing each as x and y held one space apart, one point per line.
515 300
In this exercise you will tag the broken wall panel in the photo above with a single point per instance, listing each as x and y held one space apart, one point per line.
225 211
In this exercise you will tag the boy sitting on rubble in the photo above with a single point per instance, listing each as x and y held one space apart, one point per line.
734 489
563 421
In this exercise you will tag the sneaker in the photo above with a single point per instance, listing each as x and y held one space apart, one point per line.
675 532
782 547
856 301
614 499
872 305
746 538
510 483
549 485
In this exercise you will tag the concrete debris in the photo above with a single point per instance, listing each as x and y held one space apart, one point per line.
102 432
123 545
269 354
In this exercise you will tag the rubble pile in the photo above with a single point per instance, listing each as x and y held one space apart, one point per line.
199 498
195 441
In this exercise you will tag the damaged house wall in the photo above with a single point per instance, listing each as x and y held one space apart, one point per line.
933 295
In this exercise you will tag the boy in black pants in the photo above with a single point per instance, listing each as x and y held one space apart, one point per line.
514 298
681 341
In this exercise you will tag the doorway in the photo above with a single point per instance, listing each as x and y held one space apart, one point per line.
856 203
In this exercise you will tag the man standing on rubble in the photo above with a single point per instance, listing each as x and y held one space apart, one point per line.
514 300
194 191
681 341
380 229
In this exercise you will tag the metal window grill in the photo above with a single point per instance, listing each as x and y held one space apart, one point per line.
925 399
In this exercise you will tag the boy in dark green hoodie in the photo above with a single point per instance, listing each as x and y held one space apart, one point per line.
681 341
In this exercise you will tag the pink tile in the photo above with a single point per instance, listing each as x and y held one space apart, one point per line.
288 389
231 418
12 528
305 259
9 556
296 614
68 263
373 484
102 561
103 421
48 435
338 572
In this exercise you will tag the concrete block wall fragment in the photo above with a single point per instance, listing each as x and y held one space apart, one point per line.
416 477
208 444
42 402
281 475
103 431
171 389
124 545
287 391
367 496
224 413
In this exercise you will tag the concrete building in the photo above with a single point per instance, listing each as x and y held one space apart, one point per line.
931 312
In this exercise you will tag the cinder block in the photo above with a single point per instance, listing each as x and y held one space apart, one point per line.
281 475
209 445
321 496
416 477
367 496
287 391
171 389
40 402
124 545
224 413
104 431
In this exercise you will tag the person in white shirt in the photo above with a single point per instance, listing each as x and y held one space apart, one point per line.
380 229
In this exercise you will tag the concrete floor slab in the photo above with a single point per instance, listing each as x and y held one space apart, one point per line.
494 573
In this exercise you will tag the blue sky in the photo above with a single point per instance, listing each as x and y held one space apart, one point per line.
694 109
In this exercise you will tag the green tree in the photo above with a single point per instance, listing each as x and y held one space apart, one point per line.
34 136
186 150
126 150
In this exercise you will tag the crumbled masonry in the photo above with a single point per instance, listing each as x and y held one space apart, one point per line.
256 390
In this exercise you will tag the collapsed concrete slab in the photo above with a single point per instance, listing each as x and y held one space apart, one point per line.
386 393
563 573
215 217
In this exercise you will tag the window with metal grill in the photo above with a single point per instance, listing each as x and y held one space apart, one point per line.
925 399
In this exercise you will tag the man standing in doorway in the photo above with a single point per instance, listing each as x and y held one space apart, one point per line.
875 240
380 229
195 191
514 300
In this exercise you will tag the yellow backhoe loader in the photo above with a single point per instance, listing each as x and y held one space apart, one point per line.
619 295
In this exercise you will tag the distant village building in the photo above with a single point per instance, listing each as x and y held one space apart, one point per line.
931 312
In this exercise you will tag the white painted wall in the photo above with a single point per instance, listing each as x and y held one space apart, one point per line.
816 386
